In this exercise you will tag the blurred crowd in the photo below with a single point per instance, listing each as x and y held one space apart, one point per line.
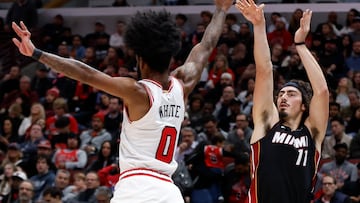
59 138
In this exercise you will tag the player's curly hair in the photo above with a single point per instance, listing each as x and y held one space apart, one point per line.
154 37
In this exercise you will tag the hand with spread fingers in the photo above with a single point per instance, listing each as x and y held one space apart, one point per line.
26 47
302 32
251 11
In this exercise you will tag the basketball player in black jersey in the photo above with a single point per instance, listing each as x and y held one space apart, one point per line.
287 137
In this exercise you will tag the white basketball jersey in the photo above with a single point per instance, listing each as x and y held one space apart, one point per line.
150 142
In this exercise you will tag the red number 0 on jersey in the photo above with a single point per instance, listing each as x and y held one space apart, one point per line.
166 148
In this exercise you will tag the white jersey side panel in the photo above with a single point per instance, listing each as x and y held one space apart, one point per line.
150 142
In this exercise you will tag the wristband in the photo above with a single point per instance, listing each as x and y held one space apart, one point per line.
36 54
299 43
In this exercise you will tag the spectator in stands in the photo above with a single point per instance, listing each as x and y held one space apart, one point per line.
353 127
62 180
338 135
51 94
222 107
294 22
29 147
92 139
346 45
356 80
181 23
90 57
105 157
6 178
51 33
273 17
280 34
277 55
13 155
114 117
76 48
17 178
7 132
37 113
342 90
40 83
331 59
236 182
98 39
26 192
197 35
351 14
25 96
43 149
78 186
10 81
354 101
332 18
52 194
353 61
330 193
239 137
214 94
187 143
22 10
220 66
355 25
70 157
334 111
207 167
341 169
117 38
235 107
103 194
60 107
44 177
240 58
88 195
102 102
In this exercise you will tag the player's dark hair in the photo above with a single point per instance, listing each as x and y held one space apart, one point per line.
154 37
306 93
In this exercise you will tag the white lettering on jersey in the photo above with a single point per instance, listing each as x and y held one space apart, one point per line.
287 139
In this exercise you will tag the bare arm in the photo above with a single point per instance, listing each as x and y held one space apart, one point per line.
264 110
126 88
319 104
191 71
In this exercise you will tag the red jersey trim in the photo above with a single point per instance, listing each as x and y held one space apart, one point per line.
145 172
254 160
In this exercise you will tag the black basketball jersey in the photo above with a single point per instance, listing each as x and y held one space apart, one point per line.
284 165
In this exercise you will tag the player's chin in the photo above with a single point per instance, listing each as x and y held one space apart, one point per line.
282 114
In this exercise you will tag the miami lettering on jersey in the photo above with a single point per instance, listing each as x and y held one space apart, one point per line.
167 110
288 139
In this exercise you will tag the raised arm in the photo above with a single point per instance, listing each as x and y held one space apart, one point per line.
264 110
191 71
319 104
121 87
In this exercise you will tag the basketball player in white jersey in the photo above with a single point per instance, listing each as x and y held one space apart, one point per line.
154 106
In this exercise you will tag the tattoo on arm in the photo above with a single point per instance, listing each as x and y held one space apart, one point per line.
71 68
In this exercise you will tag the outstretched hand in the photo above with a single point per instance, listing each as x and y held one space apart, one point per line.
224 4
251 11
26 47
302 32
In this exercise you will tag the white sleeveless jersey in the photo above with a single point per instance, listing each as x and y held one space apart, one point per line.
150 142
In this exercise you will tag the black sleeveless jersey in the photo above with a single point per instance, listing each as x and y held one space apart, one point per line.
284 165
